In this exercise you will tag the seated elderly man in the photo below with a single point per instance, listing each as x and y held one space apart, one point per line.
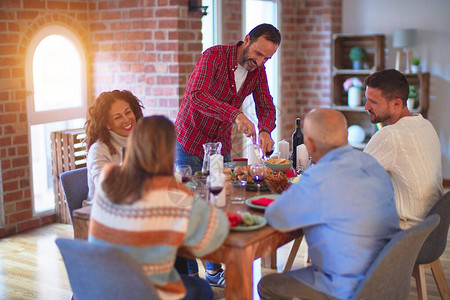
345 205
408 148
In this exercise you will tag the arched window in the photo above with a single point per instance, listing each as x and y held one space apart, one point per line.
56 100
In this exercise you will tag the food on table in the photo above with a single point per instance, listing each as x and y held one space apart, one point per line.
278 161
242 219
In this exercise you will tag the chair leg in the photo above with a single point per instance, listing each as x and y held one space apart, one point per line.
438 273
292 254
419 275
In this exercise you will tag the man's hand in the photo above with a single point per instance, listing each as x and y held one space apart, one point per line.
245 126
265 141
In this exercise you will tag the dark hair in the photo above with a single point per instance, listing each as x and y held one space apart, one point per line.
391 83
268 31
97 116
150 152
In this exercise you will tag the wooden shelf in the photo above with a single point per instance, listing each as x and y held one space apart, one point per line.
343 43
341 71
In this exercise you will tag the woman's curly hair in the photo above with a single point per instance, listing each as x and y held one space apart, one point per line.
97 116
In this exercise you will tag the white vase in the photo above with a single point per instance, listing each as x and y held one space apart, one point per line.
354 96
415 69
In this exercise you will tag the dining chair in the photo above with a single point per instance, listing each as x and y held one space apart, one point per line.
389 276
434 246
104 272
75 186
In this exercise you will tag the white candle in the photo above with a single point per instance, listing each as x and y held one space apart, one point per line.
302 156
283 148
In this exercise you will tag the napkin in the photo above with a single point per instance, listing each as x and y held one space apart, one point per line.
263 201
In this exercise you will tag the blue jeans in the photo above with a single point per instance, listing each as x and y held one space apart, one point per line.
196 164
196 288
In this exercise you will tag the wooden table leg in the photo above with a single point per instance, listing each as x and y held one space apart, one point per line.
239 275
80 228
270 261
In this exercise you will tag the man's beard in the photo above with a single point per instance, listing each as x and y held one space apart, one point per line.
379 118
245 60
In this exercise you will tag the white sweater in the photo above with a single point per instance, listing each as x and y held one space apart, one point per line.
410 152
98 156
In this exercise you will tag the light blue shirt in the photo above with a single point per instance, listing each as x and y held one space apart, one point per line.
345 205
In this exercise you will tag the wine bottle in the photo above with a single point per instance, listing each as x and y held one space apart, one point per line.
297 139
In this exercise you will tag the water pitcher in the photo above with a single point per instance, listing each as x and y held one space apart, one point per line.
210 149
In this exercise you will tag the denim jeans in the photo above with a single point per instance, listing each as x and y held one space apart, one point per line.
196 288
196 164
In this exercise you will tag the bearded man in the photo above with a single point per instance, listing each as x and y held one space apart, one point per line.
408 148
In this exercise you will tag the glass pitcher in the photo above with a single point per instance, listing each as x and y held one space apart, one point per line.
210 149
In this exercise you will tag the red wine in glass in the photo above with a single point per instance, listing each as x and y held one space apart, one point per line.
215 190
185 179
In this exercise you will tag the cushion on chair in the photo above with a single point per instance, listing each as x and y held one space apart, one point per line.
389 276
103 272
75 186
436 242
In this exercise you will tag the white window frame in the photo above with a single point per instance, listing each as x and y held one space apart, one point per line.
57 115
42 117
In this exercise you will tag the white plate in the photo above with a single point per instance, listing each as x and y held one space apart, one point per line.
261 222
249 203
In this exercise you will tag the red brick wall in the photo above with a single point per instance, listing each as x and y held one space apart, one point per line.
307 27
19 21
149 47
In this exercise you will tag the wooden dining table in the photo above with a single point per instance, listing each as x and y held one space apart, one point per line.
238 251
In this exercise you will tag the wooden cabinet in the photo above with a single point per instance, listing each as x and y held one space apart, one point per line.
341 70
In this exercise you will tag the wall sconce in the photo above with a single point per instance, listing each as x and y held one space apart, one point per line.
405 39
194 6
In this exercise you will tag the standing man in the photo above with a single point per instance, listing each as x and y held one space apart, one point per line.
223 77
345 205
408 148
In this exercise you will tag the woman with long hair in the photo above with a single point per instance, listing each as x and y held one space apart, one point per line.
110 119
142 209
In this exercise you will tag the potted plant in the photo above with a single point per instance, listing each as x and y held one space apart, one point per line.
357 56
410 103
415 65
353 86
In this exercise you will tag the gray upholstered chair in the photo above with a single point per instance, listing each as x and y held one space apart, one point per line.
75 186
432 249
389 276
103 272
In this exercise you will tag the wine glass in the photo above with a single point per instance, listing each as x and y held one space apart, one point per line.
268 154
216 182
185 171
258 173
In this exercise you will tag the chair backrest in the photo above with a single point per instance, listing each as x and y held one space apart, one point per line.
389 276
103 272
436 242
75 186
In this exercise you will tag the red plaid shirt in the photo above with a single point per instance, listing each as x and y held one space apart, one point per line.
211 103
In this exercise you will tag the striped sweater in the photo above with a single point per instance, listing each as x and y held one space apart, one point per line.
154 227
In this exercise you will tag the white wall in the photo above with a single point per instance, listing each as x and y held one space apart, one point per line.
431 19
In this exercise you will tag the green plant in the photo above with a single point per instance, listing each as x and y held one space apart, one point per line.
357 53
415 61
412 92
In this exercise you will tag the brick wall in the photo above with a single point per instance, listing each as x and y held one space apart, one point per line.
307 27
149 47
19 21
